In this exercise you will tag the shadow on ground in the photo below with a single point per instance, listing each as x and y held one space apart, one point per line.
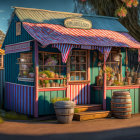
132 133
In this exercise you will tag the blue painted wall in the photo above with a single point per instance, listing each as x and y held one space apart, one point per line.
10 60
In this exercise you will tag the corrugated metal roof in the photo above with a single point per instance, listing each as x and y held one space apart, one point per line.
53 17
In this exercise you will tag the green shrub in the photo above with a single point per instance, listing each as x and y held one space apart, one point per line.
15 116
1 120
76 110
53 100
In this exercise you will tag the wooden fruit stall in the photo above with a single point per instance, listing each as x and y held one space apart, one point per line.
57 54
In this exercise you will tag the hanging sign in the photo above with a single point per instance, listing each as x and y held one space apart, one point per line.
77 22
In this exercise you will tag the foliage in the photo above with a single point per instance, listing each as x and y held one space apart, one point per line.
47 73
109 72
14 116
51 61
31 70
76 110
56 99
1 120
117 83
122 9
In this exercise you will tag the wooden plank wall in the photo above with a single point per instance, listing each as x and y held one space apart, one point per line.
19 98
45 107
2 80
11 37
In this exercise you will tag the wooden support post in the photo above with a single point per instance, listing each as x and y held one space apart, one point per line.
36 79
104 86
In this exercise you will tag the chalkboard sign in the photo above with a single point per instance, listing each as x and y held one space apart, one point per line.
79 23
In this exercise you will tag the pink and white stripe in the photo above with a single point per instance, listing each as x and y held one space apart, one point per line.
18 47
53 34
64 49
79 93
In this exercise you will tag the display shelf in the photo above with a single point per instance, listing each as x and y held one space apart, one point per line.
52 78
25 79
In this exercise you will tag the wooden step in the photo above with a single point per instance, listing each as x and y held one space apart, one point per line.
87 107
90 115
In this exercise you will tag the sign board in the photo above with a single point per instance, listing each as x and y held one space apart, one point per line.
19 47
77 22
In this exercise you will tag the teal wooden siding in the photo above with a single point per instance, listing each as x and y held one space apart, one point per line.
94 71
96 96
11 37
12 69
2 79
10 60
135 97
45 107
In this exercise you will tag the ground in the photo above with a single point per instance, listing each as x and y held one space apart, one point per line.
99 129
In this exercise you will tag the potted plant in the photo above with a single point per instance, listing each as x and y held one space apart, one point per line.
31 72
64 109
25 73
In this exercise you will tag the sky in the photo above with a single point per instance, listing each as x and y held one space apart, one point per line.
55 5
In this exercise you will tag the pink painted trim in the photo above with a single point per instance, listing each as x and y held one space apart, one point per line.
51 89
123 87
116 87
36 80
104 86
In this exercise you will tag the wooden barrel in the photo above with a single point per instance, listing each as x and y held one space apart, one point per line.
121 104
64 111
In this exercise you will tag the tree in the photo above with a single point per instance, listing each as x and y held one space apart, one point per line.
111 8
2 36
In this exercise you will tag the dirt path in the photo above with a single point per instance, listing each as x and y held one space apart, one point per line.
101 129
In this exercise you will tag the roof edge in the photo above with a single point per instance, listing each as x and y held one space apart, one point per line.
65 12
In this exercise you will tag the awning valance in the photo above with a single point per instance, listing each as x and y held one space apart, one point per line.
67 38
53 34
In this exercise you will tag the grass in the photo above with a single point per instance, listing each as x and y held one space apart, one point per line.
15 116
1 120
12 115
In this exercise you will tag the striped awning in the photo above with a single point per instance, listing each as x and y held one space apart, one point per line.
56 34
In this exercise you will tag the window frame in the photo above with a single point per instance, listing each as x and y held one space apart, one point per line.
87 68
21 78
18 28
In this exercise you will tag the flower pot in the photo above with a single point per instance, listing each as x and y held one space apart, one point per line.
61 85
129 80
98 80
31 74
48 85
138 81
56 75
64 111
56 84
109 83
44 85
53 84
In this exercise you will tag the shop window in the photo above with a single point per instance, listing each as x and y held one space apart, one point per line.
113 69
132 67
26 70
18 28
78 65
1 61
51 71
